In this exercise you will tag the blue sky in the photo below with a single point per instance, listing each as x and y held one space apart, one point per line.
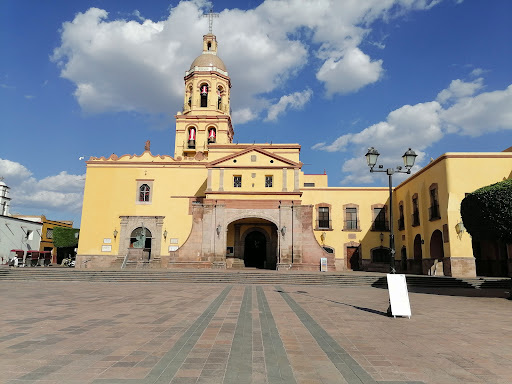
92 78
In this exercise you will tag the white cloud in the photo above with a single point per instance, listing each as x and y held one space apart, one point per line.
296 100
138 65
60 195
349 73
420 126
459 89
486 112
12 170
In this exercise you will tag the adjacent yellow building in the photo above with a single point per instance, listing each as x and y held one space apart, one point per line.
216 204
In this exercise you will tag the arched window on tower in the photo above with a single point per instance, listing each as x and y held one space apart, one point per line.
219 98
191 137
209 45
212 135
144 192
204 95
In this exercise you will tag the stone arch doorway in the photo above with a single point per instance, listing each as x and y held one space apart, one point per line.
255 250
418 255
140 238
254 242
437 252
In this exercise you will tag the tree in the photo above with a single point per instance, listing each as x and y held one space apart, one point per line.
65 237
487 212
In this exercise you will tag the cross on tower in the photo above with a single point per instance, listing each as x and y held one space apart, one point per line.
210 16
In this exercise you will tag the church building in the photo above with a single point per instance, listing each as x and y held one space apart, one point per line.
216 204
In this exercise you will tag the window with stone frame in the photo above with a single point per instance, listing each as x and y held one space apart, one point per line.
144 191
434 212
380 222
401 219
237 181
415 211
351 222
323 217
269 181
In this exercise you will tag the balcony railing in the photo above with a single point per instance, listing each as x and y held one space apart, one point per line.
415 219
434 213
351 224
380 225
401 224
323 224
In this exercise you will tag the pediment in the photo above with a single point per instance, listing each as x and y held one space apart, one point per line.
254 157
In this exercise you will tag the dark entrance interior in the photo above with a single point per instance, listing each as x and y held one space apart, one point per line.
255 250
353 258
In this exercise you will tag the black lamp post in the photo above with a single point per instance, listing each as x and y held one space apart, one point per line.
409 157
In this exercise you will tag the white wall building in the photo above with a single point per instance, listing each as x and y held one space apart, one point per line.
15 233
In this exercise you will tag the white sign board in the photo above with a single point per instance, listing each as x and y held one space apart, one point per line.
106 248
398 295
323 264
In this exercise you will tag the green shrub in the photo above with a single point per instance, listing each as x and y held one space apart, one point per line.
487 212
65 237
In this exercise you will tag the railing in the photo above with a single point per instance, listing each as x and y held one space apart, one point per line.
415 219
434 213
323 224
380 225
401 224
351 224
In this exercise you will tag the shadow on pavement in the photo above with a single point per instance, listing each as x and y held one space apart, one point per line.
370 310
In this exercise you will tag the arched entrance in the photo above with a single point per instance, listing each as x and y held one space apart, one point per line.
140 238
418 255
255 250
254 242
437 251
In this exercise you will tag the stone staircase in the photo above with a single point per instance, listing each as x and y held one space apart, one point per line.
247 276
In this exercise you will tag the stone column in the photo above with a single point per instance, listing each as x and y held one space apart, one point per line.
209 180
285 181
296 183
221 180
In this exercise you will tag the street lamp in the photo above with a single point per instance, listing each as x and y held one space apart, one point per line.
409 157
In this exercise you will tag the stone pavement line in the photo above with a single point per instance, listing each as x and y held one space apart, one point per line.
346 365
166 368
239 367
278 366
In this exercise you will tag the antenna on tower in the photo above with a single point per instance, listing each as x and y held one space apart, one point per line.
210 17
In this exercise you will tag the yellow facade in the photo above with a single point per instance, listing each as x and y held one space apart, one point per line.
215 204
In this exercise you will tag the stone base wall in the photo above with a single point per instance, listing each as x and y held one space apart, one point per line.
95 261
461 266
339 264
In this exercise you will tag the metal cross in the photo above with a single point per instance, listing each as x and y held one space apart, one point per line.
210 16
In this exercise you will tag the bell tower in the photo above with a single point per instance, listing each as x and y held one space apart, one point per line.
205 119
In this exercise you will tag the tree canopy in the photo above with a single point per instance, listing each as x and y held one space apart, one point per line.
487 212
65 237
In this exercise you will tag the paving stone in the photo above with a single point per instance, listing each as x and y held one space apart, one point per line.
214 333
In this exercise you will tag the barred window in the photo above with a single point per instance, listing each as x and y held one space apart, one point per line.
268 181
144 192
237 181
323 217
49 233
351 218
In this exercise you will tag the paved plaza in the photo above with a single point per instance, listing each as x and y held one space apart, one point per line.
84 332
